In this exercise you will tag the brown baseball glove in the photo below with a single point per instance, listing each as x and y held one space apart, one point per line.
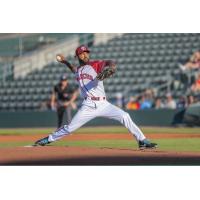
106 73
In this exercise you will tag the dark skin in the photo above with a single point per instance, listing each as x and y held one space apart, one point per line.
61 59
84 58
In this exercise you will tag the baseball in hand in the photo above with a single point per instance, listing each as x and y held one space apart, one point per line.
60 58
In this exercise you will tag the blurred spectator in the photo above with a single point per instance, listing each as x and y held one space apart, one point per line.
193 63
196 85
149 94
190 100
181 102
170 102
158 103
187 75
119 100
62 99
145 103
133 104
147 99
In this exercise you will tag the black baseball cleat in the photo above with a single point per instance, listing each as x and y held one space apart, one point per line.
146 144
42 142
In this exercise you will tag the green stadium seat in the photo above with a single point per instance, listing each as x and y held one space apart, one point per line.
20 97
143 60
4 106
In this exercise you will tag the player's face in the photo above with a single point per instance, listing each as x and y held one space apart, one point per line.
84 57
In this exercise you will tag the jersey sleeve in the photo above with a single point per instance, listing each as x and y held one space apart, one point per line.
98 65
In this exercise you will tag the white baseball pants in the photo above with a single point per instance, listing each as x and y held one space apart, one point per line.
93 109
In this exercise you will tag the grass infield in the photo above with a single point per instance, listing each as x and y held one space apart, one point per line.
110 129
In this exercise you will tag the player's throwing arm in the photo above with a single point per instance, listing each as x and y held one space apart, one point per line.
61 59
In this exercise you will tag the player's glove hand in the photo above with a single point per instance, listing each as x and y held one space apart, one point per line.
106 73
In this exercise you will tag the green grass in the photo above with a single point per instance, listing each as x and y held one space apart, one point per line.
180 144
25 131
165 145
114 129
171 130
191 144
14 144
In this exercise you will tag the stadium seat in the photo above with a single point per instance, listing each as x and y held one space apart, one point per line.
143 60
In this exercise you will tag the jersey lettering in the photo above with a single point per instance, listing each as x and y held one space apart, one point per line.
84 76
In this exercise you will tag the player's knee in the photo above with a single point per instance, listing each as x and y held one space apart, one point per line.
125 116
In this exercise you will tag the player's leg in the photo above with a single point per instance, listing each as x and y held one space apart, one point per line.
84 115
113 112
69 114
60 114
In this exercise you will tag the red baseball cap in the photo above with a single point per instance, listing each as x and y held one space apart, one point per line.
82 49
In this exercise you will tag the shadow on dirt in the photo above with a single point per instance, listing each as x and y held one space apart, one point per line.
111 161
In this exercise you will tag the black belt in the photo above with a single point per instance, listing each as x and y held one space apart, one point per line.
96 98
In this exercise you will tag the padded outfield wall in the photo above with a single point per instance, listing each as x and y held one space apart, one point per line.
151 117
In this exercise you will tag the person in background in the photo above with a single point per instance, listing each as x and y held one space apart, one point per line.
193 63
119 100
63 99
158 103
149 94
181 102
196 85
170 102
190 100
145 103
133 104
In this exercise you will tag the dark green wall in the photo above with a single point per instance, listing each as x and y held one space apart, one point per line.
192 115
151 117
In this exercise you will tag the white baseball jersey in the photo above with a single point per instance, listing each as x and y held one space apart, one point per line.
88 83
95 104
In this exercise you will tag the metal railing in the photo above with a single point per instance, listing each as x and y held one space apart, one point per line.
37 59
6 72
127 92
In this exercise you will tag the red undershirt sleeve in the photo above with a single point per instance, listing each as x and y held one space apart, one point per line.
98 66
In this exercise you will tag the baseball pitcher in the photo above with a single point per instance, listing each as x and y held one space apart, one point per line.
90 76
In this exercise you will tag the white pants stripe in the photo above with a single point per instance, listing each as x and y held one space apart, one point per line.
102 109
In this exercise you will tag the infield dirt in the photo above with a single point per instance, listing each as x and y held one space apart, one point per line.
54 155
